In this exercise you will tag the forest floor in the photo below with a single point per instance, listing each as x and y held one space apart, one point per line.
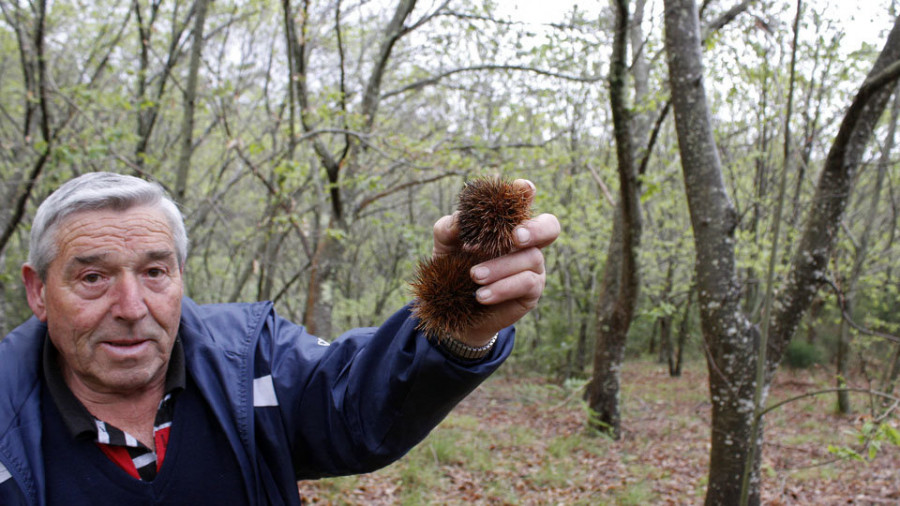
523 441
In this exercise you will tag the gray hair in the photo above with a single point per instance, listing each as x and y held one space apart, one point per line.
99 191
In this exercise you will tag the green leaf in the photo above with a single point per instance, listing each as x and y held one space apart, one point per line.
891 434
845 453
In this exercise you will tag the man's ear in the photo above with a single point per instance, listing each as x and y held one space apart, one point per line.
34 288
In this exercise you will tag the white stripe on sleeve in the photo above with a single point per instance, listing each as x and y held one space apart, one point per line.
4 473
264 392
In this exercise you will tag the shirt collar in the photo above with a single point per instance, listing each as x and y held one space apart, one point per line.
76 417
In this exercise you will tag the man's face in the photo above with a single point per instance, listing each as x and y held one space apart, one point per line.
111 299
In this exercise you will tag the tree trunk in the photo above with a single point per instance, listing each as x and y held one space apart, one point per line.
664 322
890 377
618 296
148 105
317 316
640 73
683 329
609 350
862 250
666 350
730 339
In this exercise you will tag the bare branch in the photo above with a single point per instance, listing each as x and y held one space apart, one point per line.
654 134
390 191
427 17
490 67
725 18
602 185
826 391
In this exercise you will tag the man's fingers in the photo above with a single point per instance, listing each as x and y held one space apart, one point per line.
530 259
503 315
446 235
539 232
525 287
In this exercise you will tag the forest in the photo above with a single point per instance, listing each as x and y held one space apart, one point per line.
724 171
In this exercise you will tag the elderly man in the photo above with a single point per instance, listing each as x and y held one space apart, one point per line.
121 391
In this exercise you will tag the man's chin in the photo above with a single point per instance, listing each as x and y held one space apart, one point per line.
132 379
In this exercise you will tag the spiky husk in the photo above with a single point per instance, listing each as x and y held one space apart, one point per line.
490 209
444 294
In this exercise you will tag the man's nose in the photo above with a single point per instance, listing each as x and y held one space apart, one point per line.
129 303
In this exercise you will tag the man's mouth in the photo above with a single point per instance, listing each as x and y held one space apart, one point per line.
124 343
129 347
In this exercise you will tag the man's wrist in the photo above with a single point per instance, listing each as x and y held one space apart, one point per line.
465 351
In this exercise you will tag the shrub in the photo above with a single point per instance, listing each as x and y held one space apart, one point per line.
801 355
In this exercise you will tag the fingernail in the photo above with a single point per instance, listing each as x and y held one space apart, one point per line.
523 235
533 188
483 294
480 273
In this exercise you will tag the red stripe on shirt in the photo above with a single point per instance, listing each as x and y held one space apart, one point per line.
161 438
119 455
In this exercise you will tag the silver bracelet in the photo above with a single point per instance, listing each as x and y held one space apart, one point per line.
462 350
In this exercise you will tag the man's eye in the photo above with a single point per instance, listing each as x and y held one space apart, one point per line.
155 273
91 278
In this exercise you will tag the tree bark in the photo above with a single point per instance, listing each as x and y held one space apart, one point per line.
683 329
34 71
609 348
664 322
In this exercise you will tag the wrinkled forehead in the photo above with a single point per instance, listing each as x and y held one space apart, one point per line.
138 229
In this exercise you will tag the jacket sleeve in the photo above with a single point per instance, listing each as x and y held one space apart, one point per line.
366 399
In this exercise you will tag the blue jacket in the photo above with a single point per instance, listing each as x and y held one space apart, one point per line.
291 405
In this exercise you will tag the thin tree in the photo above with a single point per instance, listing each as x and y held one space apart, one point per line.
190 99
619 290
